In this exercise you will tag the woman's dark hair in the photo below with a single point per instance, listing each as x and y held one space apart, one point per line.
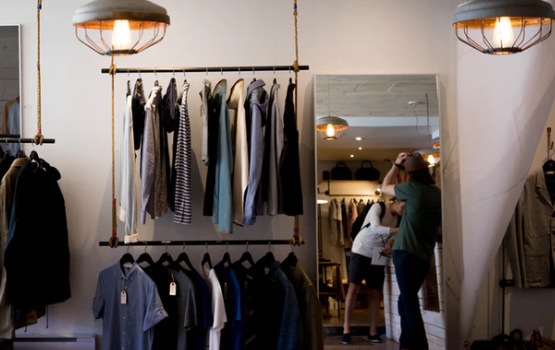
422 176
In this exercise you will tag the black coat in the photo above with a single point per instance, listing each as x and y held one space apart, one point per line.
37 251
290 169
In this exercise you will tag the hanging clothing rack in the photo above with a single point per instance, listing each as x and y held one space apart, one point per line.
202 243
18 140
240 69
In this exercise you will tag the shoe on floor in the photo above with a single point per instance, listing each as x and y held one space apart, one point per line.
374 338
346 338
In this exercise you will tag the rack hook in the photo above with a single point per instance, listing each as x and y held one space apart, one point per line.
207 72
253 70
183 246
140 76
239 69
274 71
128 248
128 73
227 247
222 71
156 74
206 246
269 246
174 72
146 246
184 74
247 246
166 248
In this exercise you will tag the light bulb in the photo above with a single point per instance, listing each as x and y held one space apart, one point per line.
503 32
431 160
121 35
330 132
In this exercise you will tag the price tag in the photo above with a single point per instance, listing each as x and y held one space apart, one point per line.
123 298
173 289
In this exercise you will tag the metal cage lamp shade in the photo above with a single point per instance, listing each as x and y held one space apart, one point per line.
331 128
503 27
431 155
126 27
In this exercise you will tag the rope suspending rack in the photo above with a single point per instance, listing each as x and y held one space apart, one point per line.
239 69
202 243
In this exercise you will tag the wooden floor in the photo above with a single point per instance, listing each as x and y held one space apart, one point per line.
359 343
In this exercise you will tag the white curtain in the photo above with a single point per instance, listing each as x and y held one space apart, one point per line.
502 105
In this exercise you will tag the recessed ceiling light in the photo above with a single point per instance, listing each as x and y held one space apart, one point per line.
358 138
360 148
352 155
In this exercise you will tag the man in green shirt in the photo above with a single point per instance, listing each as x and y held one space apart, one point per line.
414 247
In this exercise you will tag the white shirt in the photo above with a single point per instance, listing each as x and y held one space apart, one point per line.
128 191
218 308
377 234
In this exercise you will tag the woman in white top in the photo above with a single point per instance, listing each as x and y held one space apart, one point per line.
377 232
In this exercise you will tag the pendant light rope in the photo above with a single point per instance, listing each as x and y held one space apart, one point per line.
297 239
114 239
38 139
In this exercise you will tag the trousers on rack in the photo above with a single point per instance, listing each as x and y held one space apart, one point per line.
411 271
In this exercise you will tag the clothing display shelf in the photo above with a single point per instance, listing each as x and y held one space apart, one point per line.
350 188
240 69
203 243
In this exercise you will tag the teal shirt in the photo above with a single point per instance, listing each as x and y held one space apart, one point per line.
421 219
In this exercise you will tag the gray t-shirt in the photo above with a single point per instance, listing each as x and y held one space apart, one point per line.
189 316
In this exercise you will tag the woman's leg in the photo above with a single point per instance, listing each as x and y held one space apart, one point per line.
350 304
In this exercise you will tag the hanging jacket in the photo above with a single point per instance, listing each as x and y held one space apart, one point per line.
223 205
210 140
38 239
138 109
241 163
256 107
128 191
272 154
170 117
290 168
153 170
182 164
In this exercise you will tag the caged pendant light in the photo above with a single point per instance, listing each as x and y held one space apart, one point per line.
331 128
503 27
126 27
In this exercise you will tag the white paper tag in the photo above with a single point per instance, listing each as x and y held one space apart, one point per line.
123 298
173 289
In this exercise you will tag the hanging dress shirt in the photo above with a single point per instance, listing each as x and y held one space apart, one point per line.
211 122
235 104
218 309
290 169
204 107
272 154
336 223
256 108
183 204
223 205
128 191
154 186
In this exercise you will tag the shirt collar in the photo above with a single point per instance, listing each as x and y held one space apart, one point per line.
255 85
130 273
541 186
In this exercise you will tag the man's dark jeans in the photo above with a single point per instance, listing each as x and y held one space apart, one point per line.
411 271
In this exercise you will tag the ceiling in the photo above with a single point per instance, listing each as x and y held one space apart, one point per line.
377 110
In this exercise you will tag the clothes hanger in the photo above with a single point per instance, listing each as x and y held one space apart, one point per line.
156 83
291 259
183 257
165 257
254 79
226 261
246 257
126 258
21 152
206 258
145 257
275 80
269 258
185 77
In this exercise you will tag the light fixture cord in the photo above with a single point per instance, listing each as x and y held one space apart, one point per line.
38 139
114 239
297 239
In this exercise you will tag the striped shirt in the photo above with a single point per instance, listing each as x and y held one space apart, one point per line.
183 205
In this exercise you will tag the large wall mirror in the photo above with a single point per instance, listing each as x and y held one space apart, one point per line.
10 83
380 116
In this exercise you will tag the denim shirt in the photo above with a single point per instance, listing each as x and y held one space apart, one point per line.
223 207
256 108
127 326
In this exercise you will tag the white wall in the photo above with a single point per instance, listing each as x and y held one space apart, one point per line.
355 37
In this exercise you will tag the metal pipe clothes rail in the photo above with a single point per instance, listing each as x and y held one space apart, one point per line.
202 243
239 69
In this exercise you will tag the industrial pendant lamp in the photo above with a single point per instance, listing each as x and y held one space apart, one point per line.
126 27
503 27
331 128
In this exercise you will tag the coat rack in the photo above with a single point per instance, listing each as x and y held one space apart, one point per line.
239 69
202 243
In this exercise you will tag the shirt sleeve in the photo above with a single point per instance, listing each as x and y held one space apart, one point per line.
220 317
191 310
402 191
155 310
375 222
98 302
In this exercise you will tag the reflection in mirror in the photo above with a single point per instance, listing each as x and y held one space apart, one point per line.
359 221
10 83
